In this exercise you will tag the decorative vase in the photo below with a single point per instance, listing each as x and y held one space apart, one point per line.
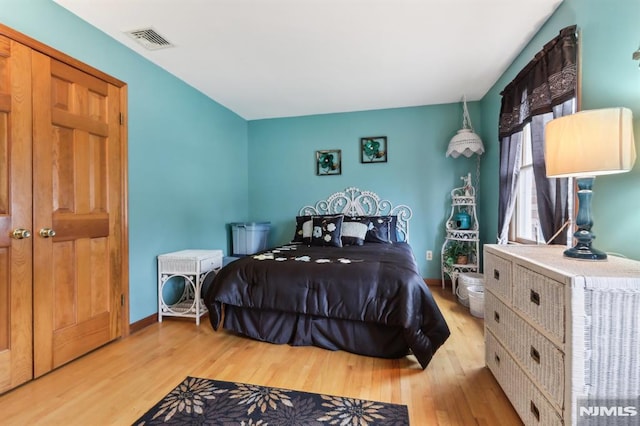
463 220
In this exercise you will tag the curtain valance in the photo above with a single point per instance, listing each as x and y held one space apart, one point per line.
550 79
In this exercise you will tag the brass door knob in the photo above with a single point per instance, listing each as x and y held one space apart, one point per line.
47 233
20 233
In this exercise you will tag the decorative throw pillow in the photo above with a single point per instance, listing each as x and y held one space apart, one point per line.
327 231
393 230
298 236
379 229
353 232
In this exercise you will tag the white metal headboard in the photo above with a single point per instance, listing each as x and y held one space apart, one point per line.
354 202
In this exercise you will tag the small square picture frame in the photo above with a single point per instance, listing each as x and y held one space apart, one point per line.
329 162
373 149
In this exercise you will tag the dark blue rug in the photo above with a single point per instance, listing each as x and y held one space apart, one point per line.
211 402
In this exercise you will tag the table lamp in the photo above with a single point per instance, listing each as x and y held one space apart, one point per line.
585 145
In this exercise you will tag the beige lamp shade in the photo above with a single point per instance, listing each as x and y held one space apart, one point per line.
590 143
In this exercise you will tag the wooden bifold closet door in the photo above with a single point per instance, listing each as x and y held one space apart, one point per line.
62 213
16 255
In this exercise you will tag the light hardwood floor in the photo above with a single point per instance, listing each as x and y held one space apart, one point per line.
116 384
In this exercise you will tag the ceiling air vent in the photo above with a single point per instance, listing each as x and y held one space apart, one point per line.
149 38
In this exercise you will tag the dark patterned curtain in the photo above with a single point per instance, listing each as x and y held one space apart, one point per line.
545 89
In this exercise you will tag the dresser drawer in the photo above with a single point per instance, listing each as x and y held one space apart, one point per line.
497 276
190 261
540 300
532 407
498 317
210 264
541 358
500 363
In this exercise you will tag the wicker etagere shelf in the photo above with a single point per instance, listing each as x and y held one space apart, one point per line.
463 200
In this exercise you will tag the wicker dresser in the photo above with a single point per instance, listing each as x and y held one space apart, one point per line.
562 336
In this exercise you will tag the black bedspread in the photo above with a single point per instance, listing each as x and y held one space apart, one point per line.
374 283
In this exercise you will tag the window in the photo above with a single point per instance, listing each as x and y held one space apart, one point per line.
525 223
532 99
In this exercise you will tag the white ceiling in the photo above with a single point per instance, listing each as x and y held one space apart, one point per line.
280 58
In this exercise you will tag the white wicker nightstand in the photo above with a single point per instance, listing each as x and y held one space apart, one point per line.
193 266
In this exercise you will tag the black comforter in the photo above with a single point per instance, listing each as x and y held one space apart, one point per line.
374 283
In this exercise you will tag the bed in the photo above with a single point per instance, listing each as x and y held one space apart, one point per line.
347 281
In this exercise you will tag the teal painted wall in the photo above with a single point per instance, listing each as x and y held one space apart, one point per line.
187 154
609 35
282 175
195 166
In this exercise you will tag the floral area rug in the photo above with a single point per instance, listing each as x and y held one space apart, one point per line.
198 401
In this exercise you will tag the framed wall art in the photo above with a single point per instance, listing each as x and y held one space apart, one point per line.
329 162
373 149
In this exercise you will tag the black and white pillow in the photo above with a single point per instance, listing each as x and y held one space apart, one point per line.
354 232
303 230
327 230
381 229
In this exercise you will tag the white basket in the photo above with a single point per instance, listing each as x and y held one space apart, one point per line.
465 281
476 300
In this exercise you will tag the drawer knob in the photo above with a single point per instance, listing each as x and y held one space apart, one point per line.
497 358
534 410
496 316
535 355
496 274
535 297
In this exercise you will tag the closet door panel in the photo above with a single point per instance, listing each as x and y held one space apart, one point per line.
77 194
15 214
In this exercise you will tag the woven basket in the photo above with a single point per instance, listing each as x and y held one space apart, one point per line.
476 300
465 280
